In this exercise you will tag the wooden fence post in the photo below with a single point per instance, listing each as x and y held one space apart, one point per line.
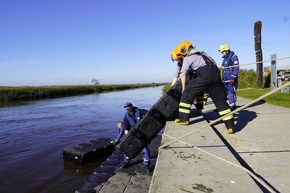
259 55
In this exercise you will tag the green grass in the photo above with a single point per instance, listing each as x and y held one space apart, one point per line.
278 98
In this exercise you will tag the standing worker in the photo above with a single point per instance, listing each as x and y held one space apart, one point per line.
205 77
132 116
199 99
230 71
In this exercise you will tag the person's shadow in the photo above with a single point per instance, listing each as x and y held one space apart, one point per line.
242 118
245 116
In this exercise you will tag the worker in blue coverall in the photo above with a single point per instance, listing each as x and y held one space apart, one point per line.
230 71
132 116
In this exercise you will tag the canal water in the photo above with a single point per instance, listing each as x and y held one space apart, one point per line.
33 135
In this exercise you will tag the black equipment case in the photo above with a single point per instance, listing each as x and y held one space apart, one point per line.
166 108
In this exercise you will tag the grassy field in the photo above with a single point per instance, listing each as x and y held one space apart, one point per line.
43 92
278 98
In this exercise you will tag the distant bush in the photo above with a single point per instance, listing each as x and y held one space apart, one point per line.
247 79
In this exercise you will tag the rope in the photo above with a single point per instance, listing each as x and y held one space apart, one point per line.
231 113
231 163
258 62
219 119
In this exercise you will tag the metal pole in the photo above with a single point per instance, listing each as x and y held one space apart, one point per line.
273 72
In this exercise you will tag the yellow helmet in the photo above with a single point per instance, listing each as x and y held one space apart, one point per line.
224 47
182 48
173 55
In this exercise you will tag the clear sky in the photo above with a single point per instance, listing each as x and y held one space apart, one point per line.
69 42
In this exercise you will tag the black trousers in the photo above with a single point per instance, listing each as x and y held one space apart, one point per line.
208 79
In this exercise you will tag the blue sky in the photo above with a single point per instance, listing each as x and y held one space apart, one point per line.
69 42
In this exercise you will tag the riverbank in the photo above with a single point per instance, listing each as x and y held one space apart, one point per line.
45 92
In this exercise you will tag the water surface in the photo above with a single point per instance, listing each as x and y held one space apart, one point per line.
34 134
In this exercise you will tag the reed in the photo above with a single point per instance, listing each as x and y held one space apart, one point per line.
43 92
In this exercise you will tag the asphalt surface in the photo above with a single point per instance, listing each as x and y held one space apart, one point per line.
253 159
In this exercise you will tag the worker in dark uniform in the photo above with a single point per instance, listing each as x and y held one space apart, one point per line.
230 75
199 99
132 116
205 77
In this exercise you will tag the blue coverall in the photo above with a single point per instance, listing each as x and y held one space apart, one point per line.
231 60
129 121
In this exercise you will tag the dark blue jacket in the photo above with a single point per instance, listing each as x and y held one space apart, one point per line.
130 120
230 73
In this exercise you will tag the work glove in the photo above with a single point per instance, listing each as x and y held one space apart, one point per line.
113 142
232 81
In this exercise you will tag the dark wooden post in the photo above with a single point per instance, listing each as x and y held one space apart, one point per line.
259 55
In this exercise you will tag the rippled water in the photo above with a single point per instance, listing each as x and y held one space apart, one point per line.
34 134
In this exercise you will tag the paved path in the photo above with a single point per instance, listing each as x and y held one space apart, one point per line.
261 144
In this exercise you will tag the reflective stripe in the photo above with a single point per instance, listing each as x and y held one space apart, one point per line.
225 112
228 118
186 105
186 111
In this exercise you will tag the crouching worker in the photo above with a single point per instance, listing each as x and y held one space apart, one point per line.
132 116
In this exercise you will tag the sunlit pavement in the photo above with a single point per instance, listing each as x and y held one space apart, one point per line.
260 146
